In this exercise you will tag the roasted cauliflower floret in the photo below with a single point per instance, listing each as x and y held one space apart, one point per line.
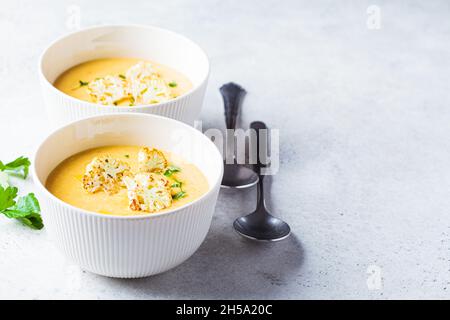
151 160
148 192
105 174
108 90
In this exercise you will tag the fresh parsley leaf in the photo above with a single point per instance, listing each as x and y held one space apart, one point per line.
122 76
172 84
127 156
26 209
7 196
171 170
18 167
179 195
4 179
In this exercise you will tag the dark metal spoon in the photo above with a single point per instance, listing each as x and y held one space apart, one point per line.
261 225
235 175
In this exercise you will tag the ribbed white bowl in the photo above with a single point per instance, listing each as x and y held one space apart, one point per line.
124 246
132 41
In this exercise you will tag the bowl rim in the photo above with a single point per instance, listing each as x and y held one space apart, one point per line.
108 107
52 197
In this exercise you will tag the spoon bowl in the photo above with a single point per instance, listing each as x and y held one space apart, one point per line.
269 229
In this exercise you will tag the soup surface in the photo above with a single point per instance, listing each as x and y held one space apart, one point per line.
68 181
123 82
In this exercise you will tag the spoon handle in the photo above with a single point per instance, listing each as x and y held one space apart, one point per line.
258 126
232 95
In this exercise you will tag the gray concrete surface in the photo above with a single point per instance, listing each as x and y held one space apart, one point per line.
363 114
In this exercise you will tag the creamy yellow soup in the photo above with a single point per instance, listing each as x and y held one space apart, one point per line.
65 181
86 81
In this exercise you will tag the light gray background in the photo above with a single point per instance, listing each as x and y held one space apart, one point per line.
364 128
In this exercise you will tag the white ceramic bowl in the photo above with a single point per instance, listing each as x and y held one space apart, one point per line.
133 41
124 246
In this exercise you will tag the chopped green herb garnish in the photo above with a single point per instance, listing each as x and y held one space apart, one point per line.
176 184
171 170
144 90
179 195
127 156
122 76
172 84
81 83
